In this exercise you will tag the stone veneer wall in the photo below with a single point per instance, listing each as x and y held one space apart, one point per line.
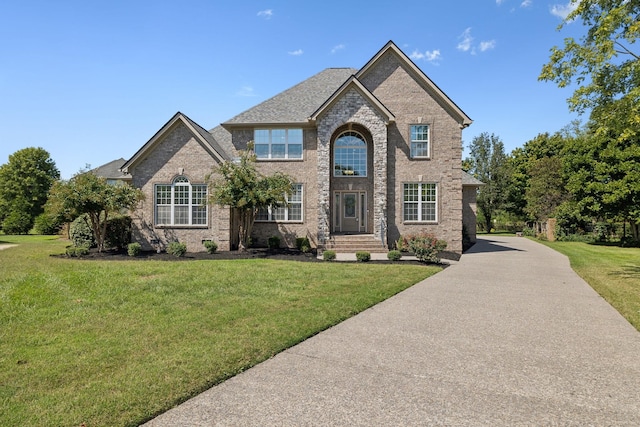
178 153
351 108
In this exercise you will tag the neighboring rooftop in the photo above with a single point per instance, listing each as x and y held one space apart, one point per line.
111 170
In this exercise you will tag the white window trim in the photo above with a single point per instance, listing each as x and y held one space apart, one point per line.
173 206
271 209
286 144
412 141
420 220
366 156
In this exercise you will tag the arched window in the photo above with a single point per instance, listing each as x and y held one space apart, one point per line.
180 203
350 155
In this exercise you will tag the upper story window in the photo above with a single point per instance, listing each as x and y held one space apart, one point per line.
420 142
278 143
292 211
350 155
180 203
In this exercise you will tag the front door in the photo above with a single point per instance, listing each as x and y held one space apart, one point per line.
350 211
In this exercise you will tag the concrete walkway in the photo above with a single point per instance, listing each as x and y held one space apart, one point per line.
508 336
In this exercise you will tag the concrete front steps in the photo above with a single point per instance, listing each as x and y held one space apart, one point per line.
351 243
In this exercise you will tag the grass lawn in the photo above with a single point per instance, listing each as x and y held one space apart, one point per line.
612 271
116 342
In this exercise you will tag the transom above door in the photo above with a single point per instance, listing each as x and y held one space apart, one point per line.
350 211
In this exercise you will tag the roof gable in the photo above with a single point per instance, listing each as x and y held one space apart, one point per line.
354 83
205 138
422 79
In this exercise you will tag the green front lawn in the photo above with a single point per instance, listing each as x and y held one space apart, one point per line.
117 342
612 271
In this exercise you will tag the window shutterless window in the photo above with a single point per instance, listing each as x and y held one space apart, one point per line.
180 203
292 212
420 141
278 143
420 202
350 155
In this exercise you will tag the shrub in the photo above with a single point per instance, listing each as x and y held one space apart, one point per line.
211 246
402 244
46 225
273 242
118 232
77 251
426 247
394 255
80 232
177 249
329 255
17 222
302 242
363 256
133 249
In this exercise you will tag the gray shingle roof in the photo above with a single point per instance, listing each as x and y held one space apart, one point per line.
111 170
217 145
296 104
468 179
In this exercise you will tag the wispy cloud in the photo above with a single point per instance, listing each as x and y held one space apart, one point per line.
466 40
246 91
337 48
467 44
499 2
526 3
488 45
296 52
563 10
433 56
266 14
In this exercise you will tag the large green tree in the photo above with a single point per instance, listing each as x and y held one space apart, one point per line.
488 163
239 186
89 194
24 183
605 64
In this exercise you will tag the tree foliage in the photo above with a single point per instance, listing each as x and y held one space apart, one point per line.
239 186
89 194
488 163
24 183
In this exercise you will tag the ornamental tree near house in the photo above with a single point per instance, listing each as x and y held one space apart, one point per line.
89 194
239 186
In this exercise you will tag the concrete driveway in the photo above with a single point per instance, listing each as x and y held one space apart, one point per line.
508 336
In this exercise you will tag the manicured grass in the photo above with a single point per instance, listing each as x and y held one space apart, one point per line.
116 342
612 271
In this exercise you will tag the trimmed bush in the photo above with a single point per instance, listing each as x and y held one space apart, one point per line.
118 232
394 255
77 251
363 256
426 247
177 249
133 249
210 246
329 255
80 232
273 242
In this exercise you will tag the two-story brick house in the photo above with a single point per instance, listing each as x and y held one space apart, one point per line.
374 152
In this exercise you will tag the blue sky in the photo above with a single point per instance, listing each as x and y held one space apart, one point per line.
92 81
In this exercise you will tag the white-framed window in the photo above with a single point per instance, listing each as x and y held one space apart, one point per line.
420 141
350 155
278 144
420 202
180 203
292 212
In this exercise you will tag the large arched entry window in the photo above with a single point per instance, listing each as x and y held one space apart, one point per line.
350 155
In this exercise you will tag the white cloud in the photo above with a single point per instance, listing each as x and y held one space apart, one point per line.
526 3
499 2
266 14
337 48
296 52
488 45
432 56
563 10
246 91
465 44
